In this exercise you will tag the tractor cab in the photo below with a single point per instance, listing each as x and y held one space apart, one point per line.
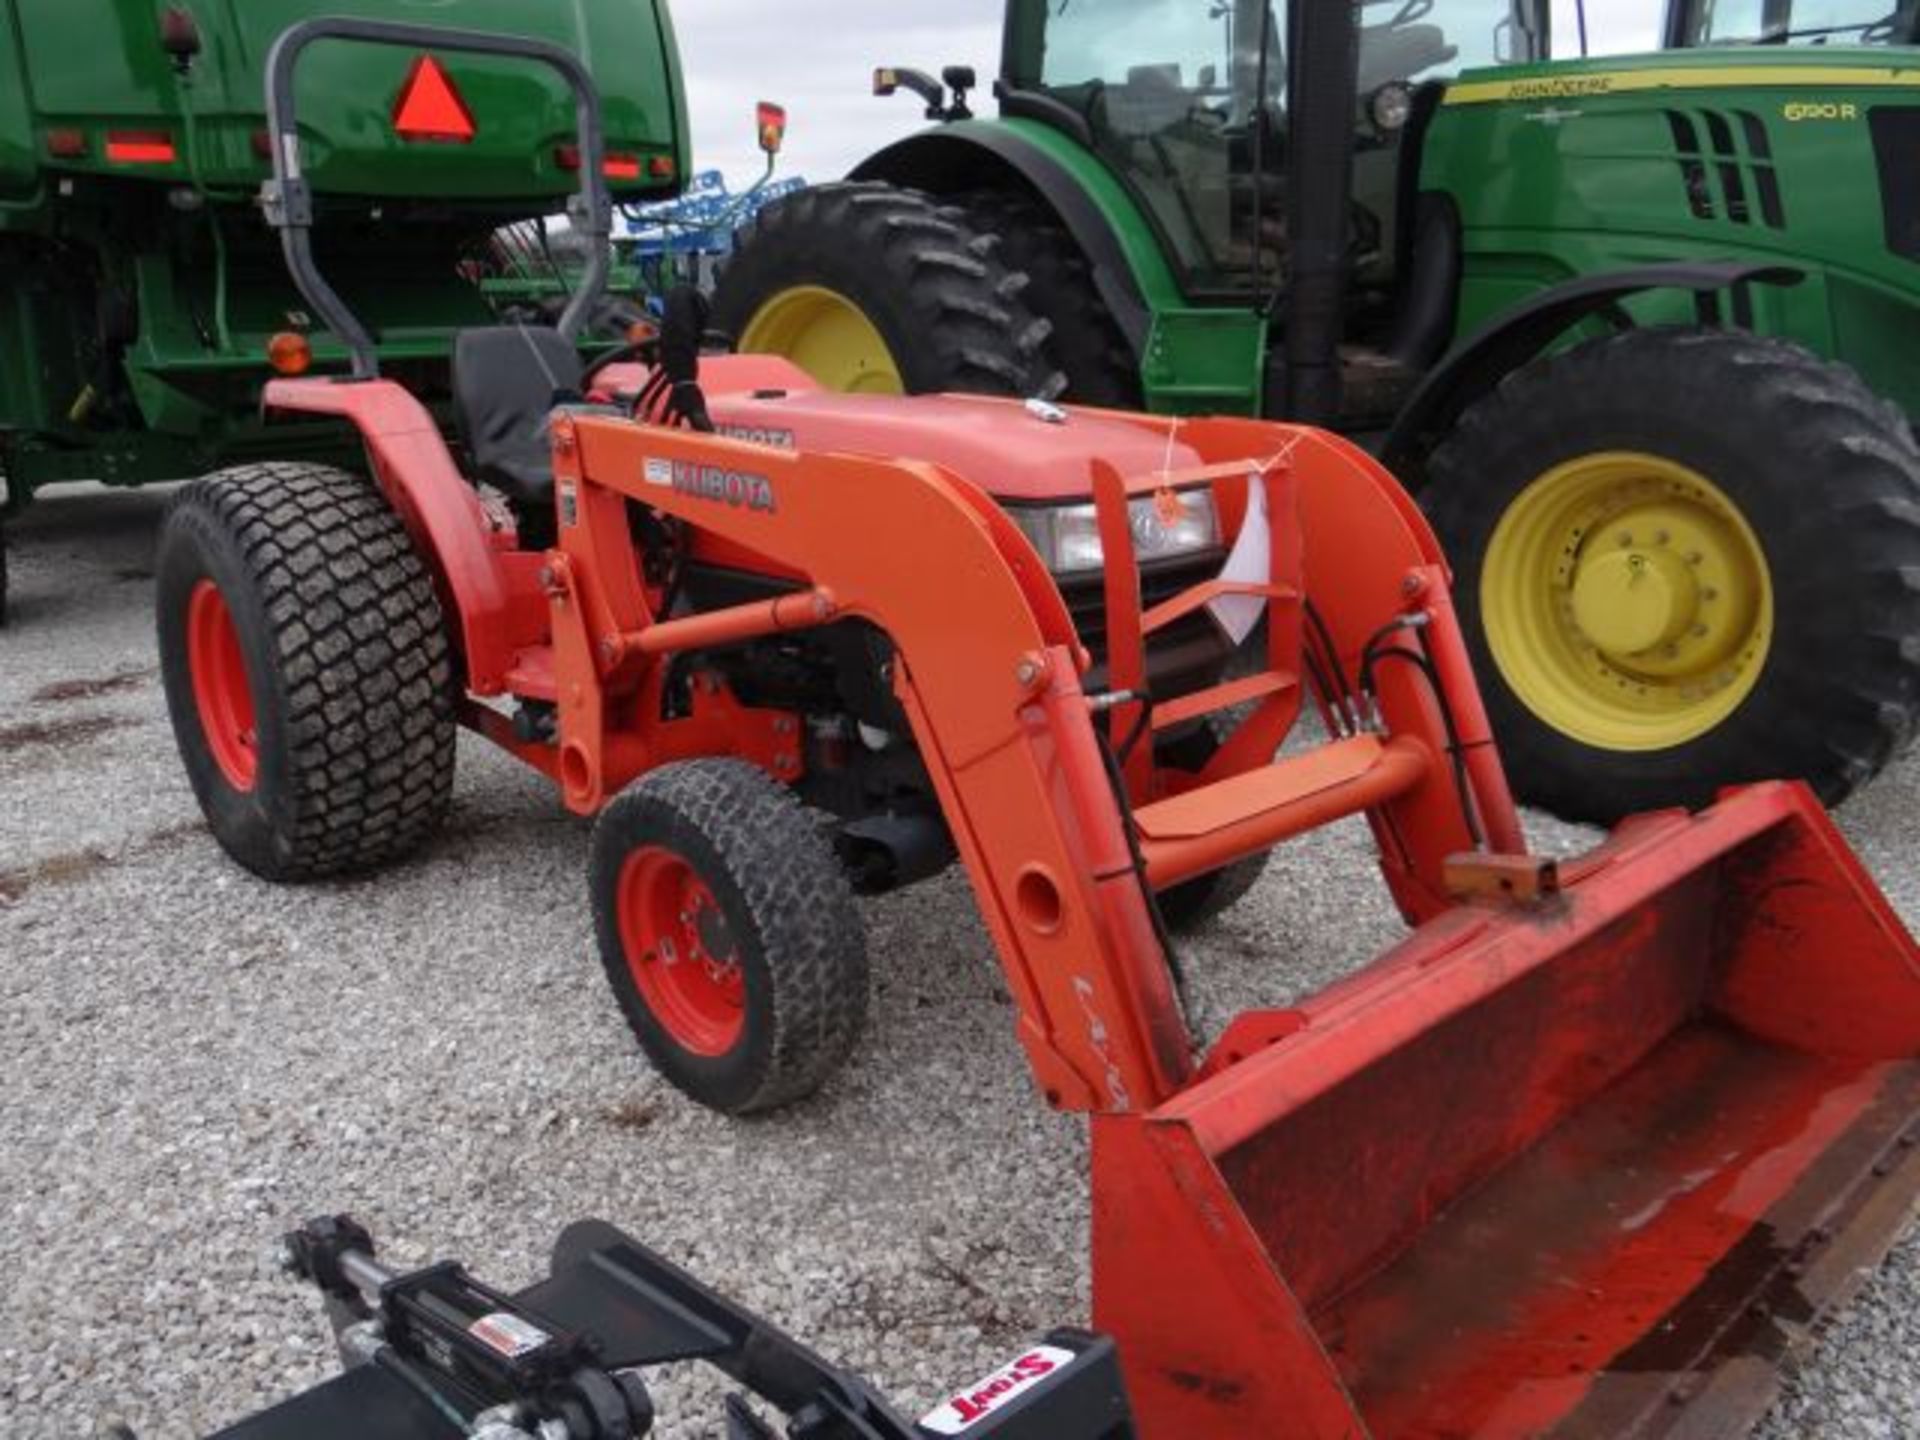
1191 106
1208 116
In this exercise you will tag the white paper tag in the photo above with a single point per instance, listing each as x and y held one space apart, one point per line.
972 1405
1251 563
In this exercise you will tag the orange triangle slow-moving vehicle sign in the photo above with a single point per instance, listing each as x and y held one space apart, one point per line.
429 108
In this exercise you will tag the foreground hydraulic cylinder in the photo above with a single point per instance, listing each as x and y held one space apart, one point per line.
1587 1164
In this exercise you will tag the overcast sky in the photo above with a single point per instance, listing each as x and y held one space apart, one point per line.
818 58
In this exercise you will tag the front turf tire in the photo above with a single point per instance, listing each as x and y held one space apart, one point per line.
1825 478
729 934
307 668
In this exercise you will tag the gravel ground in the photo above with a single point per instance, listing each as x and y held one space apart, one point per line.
194 1060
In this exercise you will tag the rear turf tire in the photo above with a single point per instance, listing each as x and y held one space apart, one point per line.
940 310
1825 477
729 934
1085 344
307 669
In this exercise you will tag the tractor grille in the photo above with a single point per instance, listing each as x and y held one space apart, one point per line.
1087 600
1726 165
1896 144
1190 653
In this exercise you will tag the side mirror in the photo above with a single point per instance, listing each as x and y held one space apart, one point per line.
772 122
960 79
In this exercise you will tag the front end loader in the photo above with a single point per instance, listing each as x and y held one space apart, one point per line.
1589 1153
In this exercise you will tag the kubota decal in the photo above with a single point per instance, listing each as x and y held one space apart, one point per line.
741 489
759 435
972 1405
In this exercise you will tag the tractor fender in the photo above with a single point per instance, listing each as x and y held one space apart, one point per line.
1479 364
953 159
443 514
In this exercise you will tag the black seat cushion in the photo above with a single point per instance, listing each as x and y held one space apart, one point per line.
506 381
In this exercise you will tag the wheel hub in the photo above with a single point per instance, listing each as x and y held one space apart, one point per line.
681 952
1626 601
218 670
828 336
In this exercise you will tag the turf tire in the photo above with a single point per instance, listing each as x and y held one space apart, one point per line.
1827 475
951 313
347 663
796 931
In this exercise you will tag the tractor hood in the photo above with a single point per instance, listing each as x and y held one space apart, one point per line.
1015 451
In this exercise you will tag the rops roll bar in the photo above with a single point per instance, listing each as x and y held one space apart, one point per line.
288 198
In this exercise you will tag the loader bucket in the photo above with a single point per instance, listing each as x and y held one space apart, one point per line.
1588 1166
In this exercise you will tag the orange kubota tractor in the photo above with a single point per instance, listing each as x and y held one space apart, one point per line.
1583 1155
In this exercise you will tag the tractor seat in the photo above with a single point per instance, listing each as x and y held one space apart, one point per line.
506 381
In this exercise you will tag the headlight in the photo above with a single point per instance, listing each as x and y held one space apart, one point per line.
1068 536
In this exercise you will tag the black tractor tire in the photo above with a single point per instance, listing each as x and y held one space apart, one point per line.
780 999
339 665
949 311
1826 475
1086 345
1192 904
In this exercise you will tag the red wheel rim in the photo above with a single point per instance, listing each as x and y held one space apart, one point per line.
220 690
680 951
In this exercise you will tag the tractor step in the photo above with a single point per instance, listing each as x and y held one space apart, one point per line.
1215 824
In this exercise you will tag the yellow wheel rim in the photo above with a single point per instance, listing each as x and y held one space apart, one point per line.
1627 602
826 335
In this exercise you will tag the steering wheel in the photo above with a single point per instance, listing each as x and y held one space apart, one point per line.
644 350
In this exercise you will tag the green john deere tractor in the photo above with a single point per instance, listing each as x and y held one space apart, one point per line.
139 292
1641 330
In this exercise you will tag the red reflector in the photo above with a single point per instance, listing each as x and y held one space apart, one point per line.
140 147
661 167
67 144
429 108
615 167
262 143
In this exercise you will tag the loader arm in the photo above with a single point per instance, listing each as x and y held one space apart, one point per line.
996 703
